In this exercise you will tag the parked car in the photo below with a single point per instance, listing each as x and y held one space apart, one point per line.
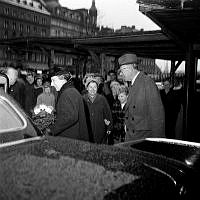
46 167
14 123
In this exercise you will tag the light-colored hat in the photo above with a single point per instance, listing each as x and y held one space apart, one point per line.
127 59
91 79
114 83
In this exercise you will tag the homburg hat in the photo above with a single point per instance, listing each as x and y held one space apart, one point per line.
127 59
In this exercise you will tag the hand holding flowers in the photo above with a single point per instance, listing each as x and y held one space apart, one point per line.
43 116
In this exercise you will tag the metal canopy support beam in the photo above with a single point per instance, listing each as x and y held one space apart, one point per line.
172 72
178 64
174 67
85 66
189 107
51 61
103 67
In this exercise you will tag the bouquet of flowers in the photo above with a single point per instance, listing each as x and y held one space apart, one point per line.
43 116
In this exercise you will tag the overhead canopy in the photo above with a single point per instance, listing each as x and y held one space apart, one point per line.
180 25
150 44
64 45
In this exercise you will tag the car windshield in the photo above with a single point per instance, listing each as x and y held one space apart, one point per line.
10 119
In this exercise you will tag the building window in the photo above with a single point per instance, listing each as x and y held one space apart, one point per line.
22 15
21 27
38 57
31 4
25 2
33 57
40 6
44 58
58 11
43 20
1 53
6 23
35 29
13 57
14 25
68 60
28 29
6 11
14 34
43 33
35 18
6 35
13 13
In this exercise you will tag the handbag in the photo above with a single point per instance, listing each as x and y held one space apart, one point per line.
106 139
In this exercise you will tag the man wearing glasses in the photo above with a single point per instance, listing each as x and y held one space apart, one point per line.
144 111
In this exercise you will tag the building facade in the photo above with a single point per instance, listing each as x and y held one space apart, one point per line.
21 18
41 18
71 23
18 19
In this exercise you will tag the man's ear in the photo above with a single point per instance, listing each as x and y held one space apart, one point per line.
61 77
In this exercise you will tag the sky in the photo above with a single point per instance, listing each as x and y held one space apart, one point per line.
115 13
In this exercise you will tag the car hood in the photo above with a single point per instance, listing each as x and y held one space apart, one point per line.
53 168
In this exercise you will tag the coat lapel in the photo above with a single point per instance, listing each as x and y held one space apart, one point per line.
132 89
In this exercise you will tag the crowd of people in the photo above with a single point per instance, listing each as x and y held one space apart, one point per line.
126 107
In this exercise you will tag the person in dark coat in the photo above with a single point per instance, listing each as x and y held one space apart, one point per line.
172 101
118 114
17 91
16 85
100 116
38 85
144 110
107 89
30 97
70 114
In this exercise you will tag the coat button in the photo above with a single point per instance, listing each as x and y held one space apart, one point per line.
133 118
134 106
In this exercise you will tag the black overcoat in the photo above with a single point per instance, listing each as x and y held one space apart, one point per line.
70 114
98 111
